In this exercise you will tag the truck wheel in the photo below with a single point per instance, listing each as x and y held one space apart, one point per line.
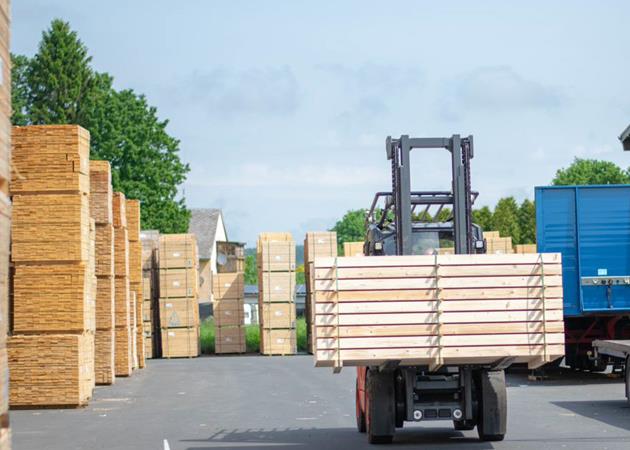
627 377
492 414
360 414
379 407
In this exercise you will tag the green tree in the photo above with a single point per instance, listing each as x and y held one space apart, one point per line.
19 89
351 227
300 275
527 222
591 171
251 271
505 218
58 86
483 218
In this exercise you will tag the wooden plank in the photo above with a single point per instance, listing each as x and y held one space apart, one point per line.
445 294
425 318
445 306
444 283
445 329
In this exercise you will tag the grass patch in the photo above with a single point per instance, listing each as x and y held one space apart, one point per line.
252 336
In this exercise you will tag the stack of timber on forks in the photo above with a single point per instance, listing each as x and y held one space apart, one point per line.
123 353
101 197
276 293
438 310
135 276
179 308
228 298
5 218
150 292
317 244
51 347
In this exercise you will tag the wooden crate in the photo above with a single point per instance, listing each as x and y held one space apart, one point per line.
230 257
119 210
135 261
105 289
122 297
104 250
228 312
180 342
121 252
276 286
123 361
525 248
177 251
274 236
178 283
53 227
50 159
276 256
101 194
230 339
278 342
277 315
438 310
51 369
179 312
133 219
52 298
104 364
353 249
228 286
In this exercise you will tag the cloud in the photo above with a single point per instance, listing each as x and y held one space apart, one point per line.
255 91
374 79
502 88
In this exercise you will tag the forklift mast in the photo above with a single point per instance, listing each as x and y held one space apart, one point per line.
404 200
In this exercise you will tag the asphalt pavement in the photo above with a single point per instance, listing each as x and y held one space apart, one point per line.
245 402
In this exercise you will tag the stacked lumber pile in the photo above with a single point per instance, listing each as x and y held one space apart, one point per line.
178 305
228 300
102 213
353 248
123 353
497 244
135 278
525 248
276 293
230 257
317 244
150 240
439 310
51 350
5 218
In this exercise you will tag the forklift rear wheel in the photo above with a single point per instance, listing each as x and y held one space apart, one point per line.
360 414
492 415
379 407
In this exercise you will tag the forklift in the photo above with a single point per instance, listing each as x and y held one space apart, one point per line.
403 222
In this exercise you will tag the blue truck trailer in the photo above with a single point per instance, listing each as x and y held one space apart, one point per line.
590 226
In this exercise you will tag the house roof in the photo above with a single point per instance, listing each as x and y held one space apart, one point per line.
625 138
203 224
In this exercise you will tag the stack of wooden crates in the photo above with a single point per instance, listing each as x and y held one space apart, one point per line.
5 218
317 244
124 340
228 299
497 244
276 293
150 292
353 249
179 309
101 211
51 349
135 278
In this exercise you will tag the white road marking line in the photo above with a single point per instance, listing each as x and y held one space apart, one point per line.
166 446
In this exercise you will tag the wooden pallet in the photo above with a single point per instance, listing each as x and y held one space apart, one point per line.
278 342
438 310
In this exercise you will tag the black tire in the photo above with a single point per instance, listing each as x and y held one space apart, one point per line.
492 414
627 378
361 427
464 425
379 407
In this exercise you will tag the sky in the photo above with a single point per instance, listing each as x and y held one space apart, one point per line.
282 107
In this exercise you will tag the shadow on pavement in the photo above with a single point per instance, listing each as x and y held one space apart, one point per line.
611 412
333 438
516 376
